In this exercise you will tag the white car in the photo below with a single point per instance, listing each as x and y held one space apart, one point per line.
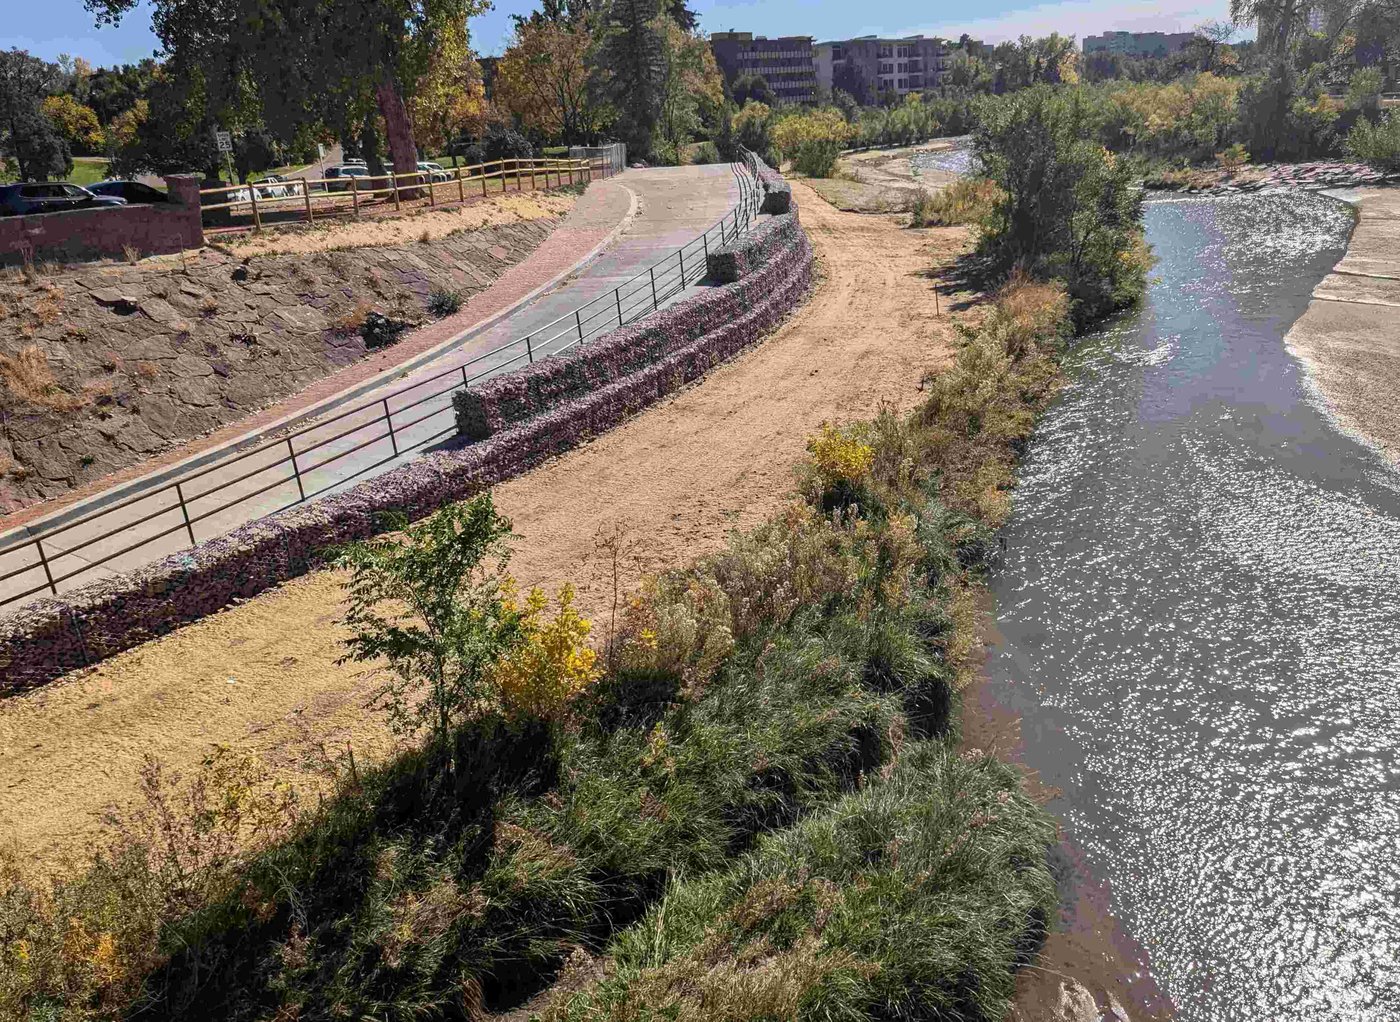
274 186
434 170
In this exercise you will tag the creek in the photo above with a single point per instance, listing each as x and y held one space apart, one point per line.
1198 622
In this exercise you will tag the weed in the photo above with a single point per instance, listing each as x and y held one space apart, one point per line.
444 302
353 320
27 376
132 254
1231 160
208 306
147 370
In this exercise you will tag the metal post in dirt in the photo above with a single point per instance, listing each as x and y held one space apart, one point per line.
355 195
389 420
292 452
184 510
44 561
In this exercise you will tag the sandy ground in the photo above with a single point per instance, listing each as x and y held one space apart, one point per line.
1349 337
882 180
262 676
422 224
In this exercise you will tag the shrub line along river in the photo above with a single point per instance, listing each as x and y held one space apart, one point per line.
1198 623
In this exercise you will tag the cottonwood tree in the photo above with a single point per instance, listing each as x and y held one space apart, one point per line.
543 79
448 99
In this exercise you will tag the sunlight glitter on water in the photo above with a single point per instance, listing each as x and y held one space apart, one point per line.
1200 626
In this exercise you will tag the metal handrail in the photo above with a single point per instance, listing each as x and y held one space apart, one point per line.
627 302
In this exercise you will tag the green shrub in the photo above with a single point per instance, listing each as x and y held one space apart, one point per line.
705 152
1069 209
813 140
444 302
1377 142
380 331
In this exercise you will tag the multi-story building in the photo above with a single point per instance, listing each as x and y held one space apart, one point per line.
869 67
1137 44
785 63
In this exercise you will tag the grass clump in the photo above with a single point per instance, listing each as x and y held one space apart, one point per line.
29 379
913 899
968 200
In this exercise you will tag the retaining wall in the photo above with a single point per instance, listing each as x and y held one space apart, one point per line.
51 637
108 231
506 400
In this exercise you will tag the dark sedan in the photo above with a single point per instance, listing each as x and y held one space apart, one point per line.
50 197
131 191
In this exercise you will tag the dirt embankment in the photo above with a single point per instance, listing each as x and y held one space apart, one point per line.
1349 337
104 367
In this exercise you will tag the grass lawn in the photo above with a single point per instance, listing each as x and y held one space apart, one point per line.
88 170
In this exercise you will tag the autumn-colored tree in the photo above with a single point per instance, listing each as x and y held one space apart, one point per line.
543 80
448 99
75 122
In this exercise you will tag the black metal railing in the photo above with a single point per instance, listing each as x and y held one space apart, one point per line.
310 460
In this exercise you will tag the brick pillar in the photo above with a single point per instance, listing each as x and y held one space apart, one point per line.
184 195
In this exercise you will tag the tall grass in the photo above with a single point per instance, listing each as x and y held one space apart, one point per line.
968 200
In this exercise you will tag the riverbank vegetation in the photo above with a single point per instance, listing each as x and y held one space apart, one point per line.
803 677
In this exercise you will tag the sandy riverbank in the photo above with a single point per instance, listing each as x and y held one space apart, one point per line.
1349 337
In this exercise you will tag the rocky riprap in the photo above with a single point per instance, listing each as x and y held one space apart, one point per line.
1315 176
145 356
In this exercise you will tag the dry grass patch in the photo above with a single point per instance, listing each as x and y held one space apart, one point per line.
28 377
967 200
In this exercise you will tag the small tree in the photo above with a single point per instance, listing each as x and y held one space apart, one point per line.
429 604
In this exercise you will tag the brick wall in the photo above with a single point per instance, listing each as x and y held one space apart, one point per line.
106 231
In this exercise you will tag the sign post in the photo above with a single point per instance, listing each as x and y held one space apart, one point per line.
224 141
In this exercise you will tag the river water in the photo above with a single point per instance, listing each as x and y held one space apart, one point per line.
1199 617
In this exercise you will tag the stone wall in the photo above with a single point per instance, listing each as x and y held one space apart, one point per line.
145 356
47 639
107 231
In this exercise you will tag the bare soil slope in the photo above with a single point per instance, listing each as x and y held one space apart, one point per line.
262 676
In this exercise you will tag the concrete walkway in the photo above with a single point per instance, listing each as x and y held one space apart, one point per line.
1349 337
253 479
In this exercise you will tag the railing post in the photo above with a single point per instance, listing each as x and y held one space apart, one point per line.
355 195
48 574
680 254
296 471
578 321
389 421
464 377
654 303
705 240
529 349
617 293
184 510
394 179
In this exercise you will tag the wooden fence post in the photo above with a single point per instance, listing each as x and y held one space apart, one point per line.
253 195
355 195
306 194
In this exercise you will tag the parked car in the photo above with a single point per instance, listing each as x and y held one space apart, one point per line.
354 161
50 197
434 170
131 191
338 178
275 186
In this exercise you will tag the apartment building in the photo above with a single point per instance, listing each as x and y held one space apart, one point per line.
869 66
785 62
1137 44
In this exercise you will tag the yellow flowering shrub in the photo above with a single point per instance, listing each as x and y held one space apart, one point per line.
551 663
840 455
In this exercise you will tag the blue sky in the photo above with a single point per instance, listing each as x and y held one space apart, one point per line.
52 27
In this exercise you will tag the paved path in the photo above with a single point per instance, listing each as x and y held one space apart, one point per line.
674 205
